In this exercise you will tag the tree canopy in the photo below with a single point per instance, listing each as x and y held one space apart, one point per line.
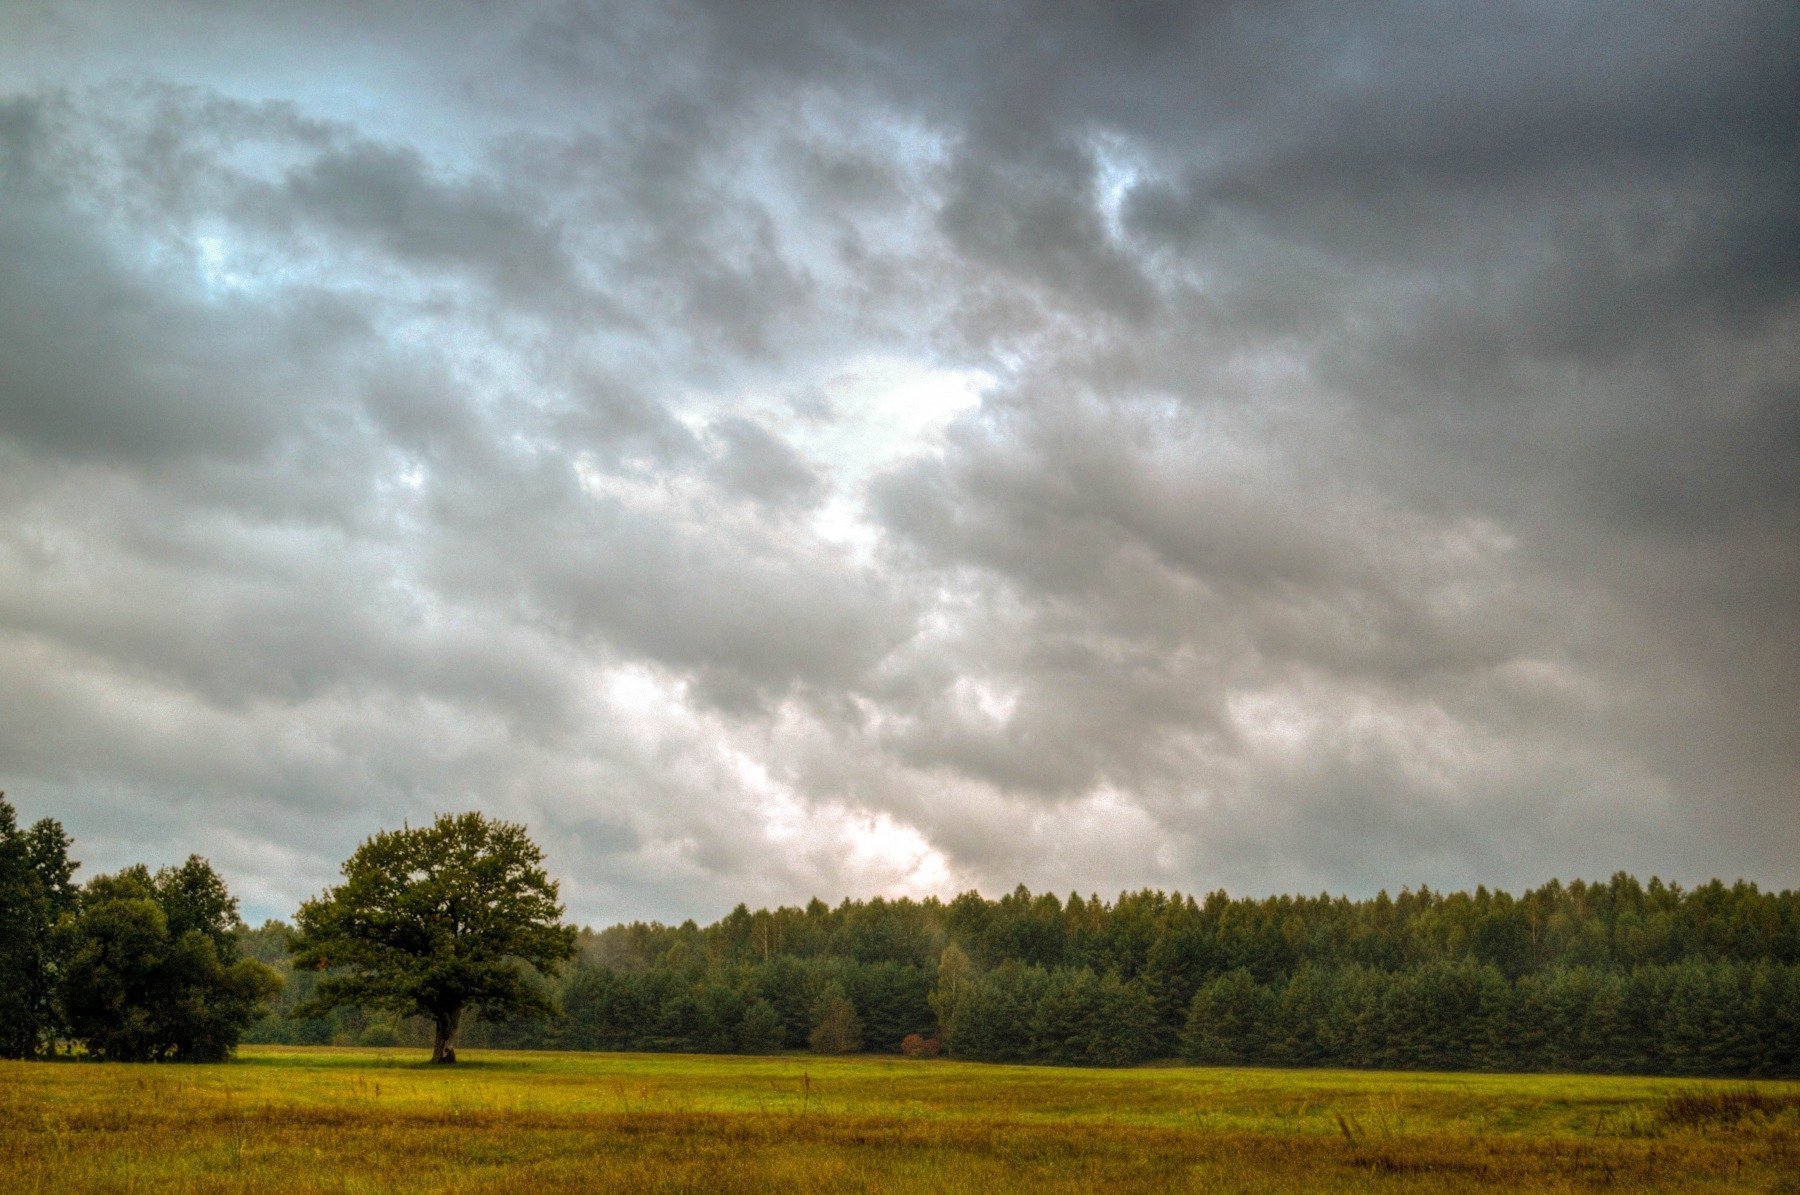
35 890
150 967
436 921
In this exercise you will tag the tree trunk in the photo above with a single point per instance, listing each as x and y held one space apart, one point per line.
443 1043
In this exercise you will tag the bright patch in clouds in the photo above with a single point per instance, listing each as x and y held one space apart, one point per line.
878 413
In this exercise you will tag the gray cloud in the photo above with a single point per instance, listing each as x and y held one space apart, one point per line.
759 465
388 198
839 448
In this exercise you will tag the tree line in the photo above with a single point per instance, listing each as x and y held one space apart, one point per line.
1615 976
434 922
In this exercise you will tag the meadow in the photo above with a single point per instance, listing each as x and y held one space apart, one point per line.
322 1119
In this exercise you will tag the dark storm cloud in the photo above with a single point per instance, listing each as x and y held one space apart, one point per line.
827 447
62 293
1041 219
390 197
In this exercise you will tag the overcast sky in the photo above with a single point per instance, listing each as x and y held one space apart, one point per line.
785 449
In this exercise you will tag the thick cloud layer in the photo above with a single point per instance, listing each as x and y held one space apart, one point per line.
834 448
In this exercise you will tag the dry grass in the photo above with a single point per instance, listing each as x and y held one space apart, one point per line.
338 1120
1703 1106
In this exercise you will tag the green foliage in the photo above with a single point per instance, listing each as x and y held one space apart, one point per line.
1084 1019
268 944
1620 976
837 1029
193 898
602 1010
379 1034
1002 1010
150 967
1124 1028
788 983
892 1001
1226 1021
1690 1018
436 920
760 1031
35 890
951 998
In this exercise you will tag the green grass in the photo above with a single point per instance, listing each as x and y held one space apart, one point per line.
293 1119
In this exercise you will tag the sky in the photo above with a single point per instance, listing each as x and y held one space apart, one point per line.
840 449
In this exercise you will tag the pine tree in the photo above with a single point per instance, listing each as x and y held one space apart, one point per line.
760 1031
1226 1022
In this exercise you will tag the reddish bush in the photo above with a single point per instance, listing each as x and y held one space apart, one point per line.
914 1046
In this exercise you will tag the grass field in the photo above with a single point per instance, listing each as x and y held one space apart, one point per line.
363 1120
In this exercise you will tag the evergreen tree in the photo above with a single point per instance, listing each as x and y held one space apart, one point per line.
1124 1027
721 1012
1001 1011
1300 1019
893 1000
1181 958
760 1031
602 1010
1226 1022
680 1026
1564 976
784 983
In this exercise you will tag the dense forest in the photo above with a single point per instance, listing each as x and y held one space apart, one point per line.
1614 976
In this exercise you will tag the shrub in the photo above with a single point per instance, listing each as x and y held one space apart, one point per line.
914 1046
379 1034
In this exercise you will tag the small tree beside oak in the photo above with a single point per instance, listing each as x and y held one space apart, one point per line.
151 970
434 922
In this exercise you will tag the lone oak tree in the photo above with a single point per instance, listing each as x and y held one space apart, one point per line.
436 920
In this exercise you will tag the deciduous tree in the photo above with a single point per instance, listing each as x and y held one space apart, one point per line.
950 998
437 921
35 890
151 971
838 1030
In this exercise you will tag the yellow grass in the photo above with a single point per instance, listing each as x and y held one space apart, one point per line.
287 1119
